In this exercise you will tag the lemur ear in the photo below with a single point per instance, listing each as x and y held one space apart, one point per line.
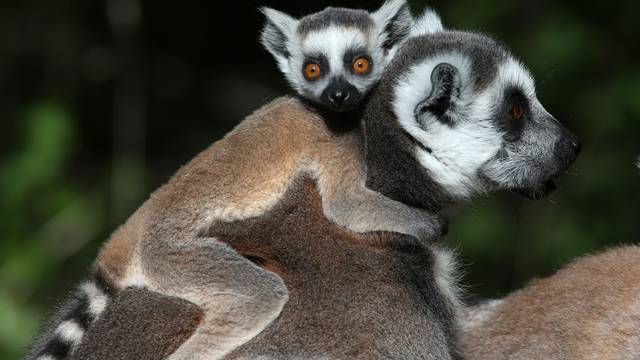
393 21
428 23
445 90
277 33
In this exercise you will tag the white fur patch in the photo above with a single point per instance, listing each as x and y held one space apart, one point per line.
428 23
477 315
444 270
97 299
513 73
333 42
70 331
45 357
458 152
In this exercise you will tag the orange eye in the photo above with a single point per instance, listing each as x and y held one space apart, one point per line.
312 71
517 112
361 65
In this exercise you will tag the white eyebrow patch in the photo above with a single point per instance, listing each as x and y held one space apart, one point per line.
333 42
513 73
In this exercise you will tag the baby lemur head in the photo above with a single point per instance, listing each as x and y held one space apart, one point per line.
457 114
335 56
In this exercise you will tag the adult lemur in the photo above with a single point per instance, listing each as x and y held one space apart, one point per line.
455 114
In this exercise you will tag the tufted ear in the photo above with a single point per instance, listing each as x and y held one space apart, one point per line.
393 21
277 34
428 23
445 90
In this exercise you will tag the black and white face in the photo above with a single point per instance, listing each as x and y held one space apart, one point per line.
334 57
476 122
336 66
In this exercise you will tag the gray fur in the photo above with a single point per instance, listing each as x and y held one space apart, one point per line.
484 51
335 16
39 348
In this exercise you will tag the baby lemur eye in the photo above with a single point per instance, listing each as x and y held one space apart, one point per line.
361 65
517 111
312 71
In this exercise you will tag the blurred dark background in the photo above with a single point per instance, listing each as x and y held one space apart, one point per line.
101 101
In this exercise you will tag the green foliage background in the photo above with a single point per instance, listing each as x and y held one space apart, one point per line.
101 101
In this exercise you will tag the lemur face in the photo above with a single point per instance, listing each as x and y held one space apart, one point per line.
476 123
334 57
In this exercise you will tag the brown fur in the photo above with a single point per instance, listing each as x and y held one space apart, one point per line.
106 340
245 174
588 310
166 246
118 252
330 274
351 295
233 178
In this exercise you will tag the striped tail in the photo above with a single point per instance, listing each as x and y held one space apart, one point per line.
71 321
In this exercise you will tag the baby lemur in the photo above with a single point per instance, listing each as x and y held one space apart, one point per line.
335 56
455 114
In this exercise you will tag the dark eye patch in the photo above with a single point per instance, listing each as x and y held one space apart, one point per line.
513 114
319 59
351 54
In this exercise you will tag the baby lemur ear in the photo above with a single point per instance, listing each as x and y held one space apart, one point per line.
445 90
393 21
277 34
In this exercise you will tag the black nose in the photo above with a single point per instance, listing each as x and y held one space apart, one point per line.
339 96
577 146
568 148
